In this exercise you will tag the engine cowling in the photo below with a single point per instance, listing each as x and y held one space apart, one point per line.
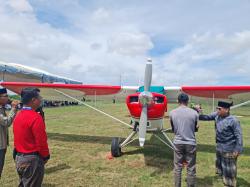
156 109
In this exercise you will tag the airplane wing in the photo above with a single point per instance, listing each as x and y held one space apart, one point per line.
17 76
51 91
217 92
222 92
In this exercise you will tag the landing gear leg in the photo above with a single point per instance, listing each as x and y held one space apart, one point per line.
166 140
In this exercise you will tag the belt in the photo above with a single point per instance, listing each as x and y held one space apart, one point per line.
24 154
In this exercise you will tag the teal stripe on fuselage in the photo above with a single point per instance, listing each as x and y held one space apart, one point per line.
156 89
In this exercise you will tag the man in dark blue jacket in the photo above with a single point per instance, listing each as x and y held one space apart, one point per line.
229 142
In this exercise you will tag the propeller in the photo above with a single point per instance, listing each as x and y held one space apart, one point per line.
145 99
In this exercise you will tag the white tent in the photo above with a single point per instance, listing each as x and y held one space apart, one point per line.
10 72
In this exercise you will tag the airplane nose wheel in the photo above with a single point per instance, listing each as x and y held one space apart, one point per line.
115 147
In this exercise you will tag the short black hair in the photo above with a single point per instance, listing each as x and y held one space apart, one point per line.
28 93
183 98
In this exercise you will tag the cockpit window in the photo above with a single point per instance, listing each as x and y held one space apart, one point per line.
133 99
159 99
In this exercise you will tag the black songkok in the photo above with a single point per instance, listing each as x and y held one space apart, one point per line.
3 91
224 104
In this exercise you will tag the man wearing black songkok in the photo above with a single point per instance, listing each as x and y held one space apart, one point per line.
229 143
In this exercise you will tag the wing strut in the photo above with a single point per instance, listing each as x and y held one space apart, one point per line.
114 118
239 105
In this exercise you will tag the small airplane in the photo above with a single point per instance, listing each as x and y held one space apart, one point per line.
147 105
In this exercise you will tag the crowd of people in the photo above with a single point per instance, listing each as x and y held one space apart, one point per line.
31 151
58 103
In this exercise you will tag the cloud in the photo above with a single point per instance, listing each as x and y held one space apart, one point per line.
206 59
130 44
20 5
101 16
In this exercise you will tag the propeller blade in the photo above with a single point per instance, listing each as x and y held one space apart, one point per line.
148 75
143 125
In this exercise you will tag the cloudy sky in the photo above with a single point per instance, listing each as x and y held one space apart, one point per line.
108 41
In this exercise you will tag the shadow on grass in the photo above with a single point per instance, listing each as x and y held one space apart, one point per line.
59 167
156 154
79 138
242 182
107 140
48 185
211 149
208 181
91 139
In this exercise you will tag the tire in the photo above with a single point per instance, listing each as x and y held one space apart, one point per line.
115 147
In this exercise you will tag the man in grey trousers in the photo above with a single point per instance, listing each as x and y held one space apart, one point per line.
184 124
5 122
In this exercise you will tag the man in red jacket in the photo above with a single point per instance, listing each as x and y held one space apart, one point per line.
30 140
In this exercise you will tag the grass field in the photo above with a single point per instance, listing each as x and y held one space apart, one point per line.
79 141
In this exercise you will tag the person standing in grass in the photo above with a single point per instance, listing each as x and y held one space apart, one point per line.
5 122
184 124
30 140
229 142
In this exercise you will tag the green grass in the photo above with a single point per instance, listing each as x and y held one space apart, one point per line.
79 141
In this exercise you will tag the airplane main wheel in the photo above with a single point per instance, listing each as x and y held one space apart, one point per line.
115 147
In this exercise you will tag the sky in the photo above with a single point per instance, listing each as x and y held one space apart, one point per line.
108 41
